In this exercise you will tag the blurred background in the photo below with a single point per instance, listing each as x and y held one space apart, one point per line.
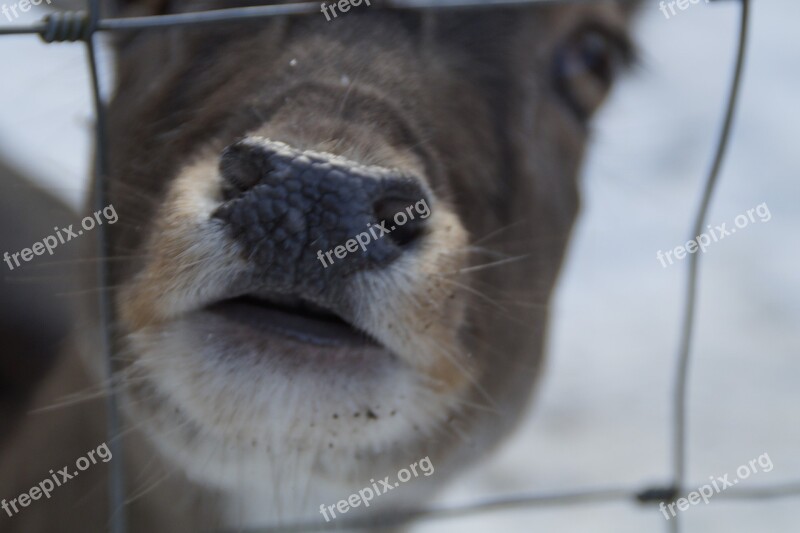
602 414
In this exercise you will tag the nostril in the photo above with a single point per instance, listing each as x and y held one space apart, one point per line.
402 219
242 166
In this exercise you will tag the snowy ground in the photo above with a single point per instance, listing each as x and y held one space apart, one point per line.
602 415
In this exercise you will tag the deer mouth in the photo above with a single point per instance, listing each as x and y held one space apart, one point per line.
292 317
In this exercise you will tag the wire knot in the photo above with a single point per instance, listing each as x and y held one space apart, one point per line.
658 494
67 26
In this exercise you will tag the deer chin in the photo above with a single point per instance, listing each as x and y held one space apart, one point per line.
236 406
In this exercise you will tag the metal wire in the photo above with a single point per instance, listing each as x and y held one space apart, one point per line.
687 329
584 497
238 14
83 26
596 496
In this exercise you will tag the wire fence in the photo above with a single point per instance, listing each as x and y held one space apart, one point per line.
85 25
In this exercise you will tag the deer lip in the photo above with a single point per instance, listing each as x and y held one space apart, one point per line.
296 319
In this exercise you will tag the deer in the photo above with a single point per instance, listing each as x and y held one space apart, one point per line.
255 385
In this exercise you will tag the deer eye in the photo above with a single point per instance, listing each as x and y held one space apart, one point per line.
586 64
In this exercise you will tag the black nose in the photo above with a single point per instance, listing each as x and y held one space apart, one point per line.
307 219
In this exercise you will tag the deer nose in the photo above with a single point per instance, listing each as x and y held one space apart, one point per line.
306 219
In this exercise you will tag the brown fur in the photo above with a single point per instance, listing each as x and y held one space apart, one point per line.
34 301
463 98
